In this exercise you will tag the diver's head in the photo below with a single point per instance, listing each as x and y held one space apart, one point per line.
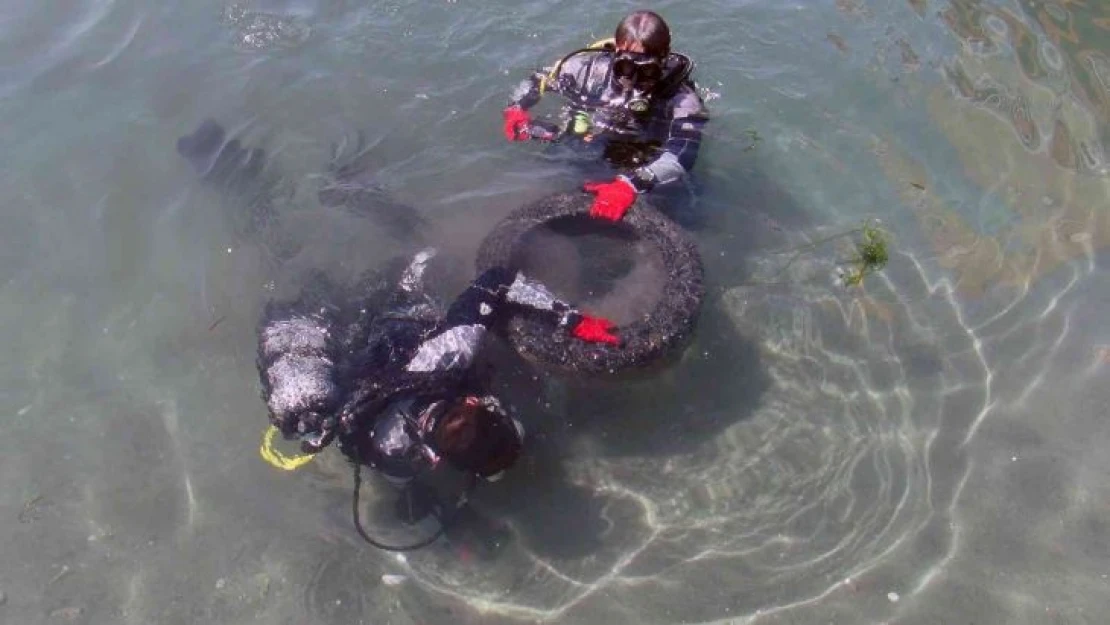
638 76
642 44
477 435
644 32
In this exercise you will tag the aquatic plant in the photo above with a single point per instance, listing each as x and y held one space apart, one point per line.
871 255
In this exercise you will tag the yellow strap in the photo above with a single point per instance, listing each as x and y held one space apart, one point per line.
278 459
597 45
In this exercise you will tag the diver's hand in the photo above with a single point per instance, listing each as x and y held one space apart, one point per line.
613 198
517 124
316 444
595 330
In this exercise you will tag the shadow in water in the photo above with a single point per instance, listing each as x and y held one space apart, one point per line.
751 212
245 173
718 382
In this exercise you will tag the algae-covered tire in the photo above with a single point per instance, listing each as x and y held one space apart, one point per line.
656 333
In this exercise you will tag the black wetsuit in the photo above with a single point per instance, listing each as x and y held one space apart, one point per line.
377 370
655 147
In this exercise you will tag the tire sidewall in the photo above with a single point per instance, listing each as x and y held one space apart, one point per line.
645 341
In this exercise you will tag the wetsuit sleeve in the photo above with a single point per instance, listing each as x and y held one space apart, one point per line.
296 366
528 93
472 314
687 119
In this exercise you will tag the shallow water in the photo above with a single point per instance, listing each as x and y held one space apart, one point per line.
925 449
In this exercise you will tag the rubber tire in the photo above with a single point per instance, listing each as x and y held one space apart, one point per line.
659 333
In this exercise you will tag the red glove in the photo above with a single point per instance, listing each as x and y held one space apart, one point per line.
596 330
517 121
613 198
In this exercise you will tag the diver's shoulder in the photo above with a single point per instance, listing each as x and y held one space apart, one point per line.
686 101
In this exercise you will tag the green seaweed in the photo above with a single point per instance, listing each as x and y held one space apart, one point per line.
871 255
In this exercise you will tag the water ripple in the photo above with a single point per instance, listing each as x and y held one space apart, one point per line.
258 31
821 493
47 39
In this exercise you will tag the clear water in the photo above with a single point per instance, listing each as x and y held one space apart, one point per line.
927 449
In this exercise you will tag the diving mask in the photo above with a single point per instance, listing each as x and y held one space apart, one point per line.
642 70
638 74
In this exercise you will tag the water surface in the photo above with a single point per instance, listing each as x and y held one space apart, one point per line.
925 449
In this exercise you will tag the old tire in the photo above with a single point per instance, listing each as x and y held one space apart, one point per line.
657 333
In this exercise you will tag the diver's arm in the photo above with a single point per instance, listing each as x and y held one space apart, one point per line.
296 367
518 124
564 78
688 117
524 291
475 311
528 92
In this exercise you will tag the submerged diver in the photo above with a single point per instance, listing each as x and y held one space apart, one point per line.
632 95
380 367
383 372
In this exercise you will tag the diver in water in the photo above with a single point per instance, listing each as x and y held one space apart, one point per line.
381 370
632 95
380 367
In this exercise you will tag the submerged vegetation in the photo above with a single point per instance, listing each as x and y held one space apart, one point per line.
871 255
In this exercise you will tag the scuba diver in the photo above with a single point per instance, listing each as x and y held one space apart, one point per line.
380 367
381 371
632 95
